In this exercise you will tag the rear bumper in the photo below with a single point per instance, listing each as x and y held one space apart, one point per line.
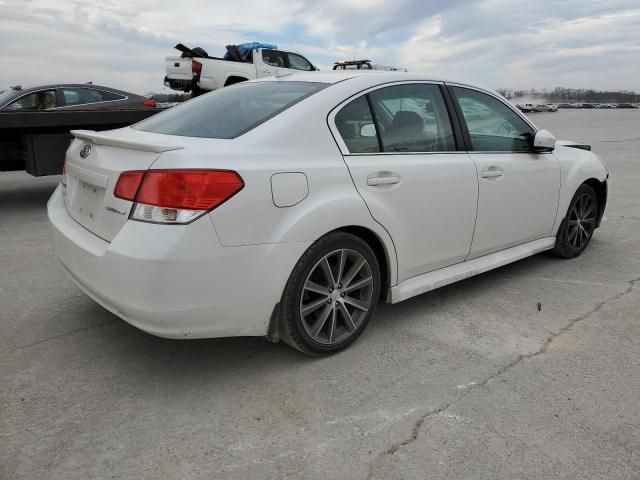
175 281
182 85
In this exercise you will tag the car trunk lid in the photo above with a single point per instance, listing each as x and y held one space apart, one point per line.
93 165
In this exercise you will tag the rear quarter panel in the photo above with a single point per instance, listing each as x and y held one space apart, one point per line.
295 141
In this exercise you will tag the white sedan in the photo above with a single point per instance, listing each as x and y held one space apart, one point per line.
288 207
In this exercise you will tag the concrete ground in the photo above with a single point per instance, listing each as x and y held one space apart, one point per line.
469 381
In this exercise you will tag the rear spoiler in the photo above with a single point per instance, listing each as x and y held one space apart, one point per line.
98 138
569 143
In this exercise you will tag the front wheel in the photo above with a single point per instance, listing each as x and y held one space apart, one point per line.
331 295
578 226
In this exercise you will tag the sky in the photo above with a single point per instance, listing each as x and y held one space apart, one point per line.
510 44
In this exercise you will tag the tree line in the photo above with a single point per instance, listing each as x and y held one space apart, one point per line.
571 95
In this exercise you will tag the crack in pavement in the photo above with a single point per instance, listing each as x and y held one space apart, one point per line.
417 425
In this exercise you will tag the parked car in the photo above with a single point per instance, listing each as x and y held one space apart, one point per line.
587 105
568 105
71 97
197 71
290 207
606 105
525 108
552 107
626 105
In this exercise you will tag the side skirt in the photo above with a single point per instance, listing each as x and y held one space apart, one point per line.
444 276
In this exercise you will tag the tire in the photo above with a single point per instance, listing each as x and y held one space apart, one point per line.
578 226
196 91
316 327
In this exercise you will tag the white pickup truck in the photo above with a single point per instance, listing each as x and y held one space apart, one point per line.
195 70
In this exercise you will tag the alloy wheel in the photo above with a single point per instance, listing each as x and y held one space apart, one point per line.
581 222
336 296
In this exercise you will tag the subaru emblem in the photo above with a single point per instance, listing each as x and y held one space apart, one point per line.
86 150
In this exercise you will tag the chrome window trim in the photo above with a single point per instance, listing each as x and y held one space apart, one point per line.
338 138
69 87
90 103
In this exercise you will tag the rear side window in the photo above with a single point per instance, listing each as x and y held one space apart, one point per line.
231 111
356 127
83 96
408 118
413 118
273 58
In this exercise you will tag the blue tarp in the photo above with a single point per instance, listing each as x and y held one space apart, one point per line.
246 48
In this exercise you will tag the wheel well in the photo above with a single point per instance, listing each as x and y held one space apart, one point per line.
234 79
601 194
378 248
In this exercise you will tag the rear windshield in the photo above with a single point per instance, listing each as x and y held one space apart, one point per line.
231 111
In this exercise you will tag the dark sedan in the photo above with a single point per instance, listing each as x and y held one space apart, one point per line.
71 97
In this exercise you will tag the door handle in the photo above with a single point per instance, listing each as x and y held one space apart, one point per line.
491 173
374 181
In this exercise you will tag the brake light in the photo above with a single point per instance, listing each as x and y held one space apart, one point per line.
128 185
196 67
150 103
176 196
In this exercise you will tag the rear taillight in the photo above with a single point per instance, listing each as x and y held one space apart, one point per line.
150 102
128 185
196 67
176 196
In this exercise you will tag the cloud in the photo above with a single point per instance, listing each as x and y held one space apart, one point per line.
500 43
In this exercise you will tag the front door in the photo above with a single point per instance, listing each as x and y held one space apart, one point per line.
518 188
403 159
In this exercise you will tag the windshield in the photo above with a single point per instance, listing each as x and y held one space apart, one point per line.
7 96
230 111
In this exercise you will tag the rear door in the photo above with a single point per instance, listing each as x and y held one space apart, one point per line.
518 188
402 154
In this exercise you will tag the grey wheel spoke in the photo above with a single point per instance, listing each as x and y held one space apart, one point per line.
348 321
322 320
341 263
359 284
351 274
332 325
572 223
588 211
313 306
326 269
359 304
588 220
316 288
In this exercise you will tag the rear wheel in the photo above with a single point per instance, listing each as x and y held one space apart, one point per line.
578 226
331 295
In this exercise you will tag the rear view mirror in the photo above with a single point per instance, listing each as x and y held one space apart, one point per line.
368 130
544 141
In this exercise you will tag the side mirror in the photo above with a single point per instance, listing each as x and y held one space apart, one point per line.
544 141
368 130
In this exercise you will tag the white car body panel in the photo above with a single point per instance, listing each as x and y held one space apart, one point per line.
531 182
194 280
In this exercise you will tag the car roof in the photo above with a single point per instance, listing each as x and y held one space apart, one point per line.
72 85
367 78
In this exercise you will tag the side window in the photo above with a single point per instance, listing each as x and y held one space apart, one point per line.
110 96
43 100
298 62
356 127
273 58
492 125
413 118
81 96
